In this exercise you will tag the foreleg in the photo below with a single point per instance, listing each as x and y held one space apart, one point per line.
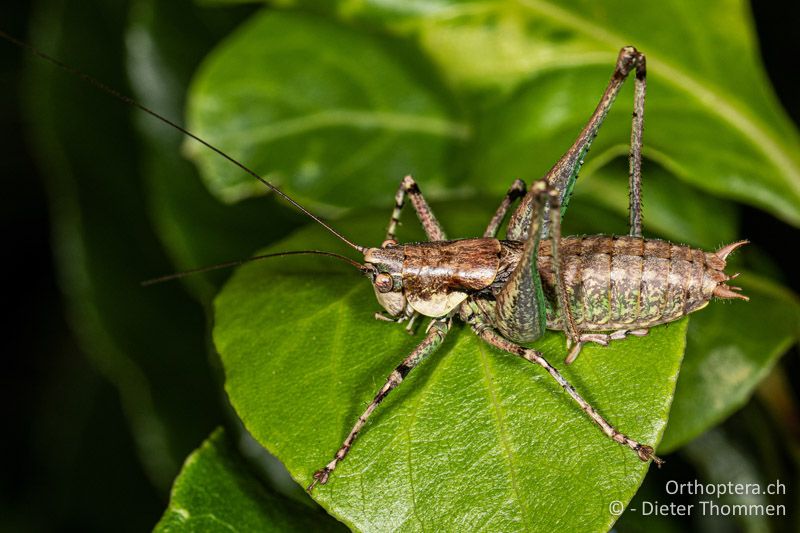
436 333
408 187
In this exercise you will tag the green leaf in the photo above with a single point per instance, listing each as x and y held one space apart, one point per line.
317 107
712 118
474 437
702 130
148 344
194 226
730 348
217 491
672 209
540 116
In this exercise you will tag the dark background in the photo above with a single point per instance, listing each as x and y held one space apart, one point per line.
68 461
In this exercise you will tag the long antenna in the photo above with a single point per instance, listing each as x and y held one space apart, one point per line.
130 101
238 262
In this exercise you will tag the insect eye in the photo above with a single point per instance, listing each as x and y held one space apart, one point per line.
389 243
384 282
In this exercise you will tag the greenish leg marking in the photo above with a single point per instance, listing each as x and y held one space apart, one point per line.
564 173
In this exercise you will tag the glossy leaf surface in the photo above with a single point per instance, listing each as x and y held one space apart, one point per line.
473 437
316 107
217 491
531 71
731 346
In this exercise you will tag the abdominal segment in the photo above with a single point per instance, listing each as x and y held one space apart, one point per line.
626 282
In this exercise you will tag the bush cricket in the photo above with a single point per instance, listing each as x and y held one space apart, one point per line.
597 288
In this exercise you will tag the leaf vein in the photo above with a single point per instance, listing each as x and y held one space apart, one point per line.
502 433
717 102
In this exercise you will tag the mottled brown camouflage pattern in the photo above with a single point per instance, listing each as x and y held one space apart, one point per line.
509 291
468 264
438 276
629 282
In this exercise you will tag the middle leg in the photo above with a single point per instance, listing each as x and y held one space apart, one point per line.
603 339
643 451
516 190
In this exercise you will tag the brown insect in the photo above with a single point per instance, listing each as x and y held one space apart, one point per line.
596 288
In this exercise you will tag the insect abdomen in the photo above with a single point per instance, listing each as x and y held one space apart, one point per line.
629 282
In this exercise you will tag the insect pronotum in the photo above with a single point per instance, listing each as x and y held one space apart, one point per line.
596 289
